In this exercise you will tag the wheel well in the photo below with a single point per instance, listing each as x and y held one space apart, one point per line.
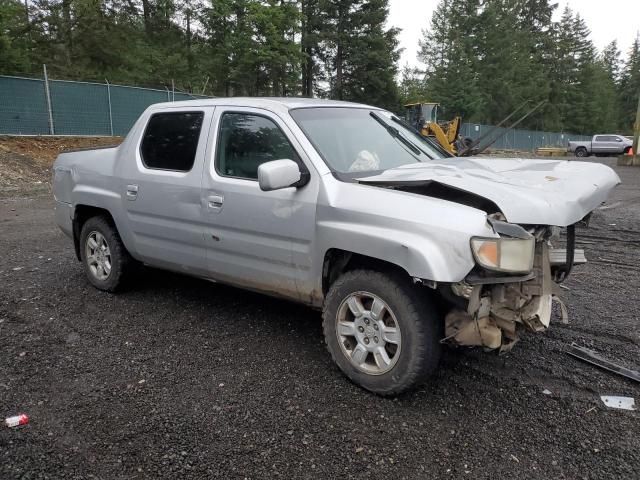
337 261
81 215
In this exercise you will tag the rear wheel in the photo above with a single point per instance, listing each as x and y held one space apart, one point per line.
380 331
582 152
106 261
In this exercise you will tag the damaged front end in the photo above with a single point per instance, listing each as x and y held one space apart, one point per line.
492 308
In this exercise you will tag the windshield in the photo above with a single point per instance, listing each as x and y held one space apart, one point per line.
354 140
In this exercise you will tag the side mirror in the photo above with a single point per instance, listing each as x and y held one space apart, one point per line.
618 139
278 174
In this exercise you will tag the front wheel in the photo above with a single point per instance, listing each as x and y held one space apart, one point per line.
381 332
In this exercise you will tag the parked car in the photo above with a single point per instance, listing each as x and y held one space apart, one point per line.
601 145
339 206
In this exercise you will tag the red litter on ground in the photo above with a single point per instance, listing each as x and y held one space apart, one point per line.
16 421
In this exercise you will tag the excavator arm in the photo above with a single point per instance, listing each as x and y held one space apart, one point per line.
432 129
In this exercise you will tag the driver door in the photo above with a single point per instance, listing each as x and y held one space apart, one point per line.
250 233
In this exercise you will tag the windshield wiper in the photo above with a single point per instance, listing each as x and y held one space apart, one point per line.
395 133
416 132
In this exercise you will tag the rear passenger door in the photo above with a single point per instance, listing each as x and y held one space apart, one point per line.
599 144
250 233
161 189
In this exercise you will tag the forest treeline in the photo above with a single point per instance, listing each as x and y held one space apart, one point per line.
483 58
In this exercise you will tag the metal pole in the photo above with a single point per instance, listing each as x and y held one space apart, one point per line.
168 94
48 95
173 91
636 136
205 85
109 100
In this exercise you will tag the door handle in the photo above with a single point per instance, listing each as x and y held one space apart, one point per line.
214 202
132 192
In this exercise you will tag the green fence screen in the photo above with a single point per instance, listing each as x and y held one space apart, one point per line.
515 139
84 108
77 108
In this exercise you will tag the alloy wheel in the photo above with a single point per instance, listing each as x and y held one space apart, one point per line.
368 333
98 255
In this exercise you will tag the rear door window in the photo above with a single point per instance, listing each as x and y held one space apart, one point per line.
170 140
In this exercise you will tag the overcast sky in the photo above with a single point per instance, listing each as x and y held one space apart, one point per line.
606 19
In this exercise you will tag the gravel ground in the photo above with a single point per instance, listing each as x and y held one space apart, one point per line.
181 378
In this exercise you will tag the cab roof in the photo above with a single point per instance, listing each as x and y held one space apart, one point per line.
268 103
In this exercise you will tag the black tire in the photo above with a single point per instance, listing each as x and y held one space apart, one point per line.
417 319
581 152
121 263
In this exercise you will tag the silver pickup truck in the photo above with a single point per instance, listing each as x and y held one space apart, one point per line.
339 206
601 145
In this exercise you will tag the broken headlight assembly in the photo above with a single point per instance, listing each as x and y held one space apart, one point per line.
509 255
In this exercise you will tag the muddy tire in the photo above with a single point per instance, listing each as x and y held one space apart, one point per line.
106 261
381 331
581 152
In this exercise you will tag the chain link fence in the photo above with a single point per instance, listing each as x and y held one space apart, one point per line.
33 106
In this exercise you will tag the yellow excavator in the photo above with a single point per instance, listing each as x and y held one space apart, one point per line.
423 117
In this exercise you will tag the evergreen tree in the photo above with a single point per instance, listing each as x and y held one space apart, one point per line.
311 37
534 19
15 37
610 59
582 111
607 82
630 87
217 52
574 78
412 86
449 51
361 54
511 70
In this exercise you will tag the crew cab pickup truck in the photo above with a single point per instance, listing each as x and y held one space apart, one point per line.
339 206
601 145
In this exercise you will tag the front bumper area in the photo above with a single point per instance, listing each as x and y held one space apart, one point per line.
496 312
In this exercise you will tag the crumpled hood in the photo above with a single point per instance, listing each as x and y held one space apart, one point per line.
542 192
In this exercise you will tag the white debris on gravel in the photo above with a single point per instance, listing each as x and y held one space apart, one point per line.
621 403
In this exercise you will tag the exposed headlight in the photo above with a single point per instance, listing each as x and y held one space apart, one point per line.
514 255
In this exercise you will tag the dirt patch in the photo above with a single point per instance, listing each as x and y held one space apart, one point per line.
25 162
44 150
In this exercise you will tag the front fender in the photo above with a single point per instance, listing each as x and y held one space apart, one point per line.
425 256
